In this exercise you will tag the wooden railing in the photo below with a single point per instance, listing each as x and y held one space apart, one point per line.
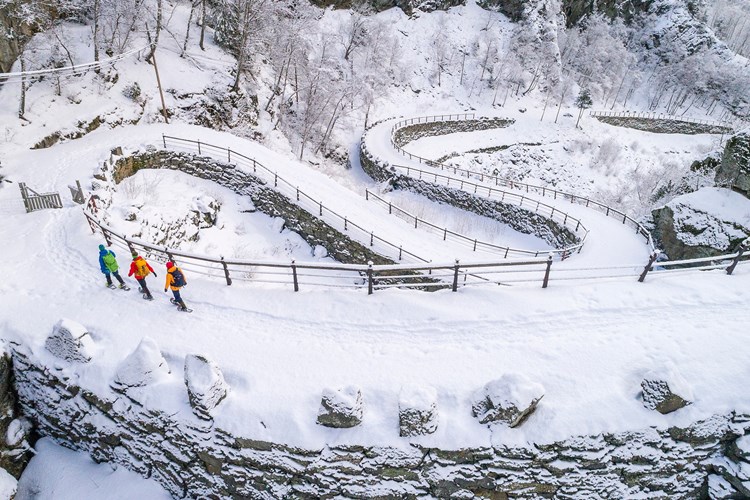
529 188
535 206
358 276
448 235
35 201
294 194
420 276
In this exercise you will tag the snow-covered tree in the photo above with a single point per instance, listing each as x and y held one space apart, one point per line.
583 101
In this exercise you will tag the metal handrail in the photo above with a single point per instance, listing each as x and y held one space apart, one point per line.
544 191
296 195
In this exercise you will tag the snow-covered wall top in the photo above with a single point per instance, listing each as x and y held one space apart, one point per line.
192 457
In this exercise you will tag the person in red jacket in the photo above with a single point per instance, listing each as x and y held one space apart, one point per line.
140 268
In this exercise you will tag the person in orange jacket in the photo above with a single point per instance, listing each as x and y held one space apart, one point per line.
141 269
175 281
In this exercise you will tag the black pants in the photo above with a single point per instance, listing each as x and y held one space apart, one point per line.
144 288
117 275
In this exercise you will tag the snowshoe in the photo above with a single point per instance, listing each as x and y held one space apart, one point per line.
112 286
146 297
124 287
185 310
172 301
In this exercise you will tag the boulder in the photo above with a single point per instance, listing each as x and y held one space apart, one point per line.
665 390
205 383
70 341
509 399
341 408
706 223
734 170
143 366
417 411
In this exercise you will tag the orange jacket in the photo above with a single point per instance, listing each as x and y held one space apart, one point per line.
170 279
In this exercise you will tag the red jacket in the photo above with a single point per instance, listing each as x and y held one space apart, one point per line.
134 268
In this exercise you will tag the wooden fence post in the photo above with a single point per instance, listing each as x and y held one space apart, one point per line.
106 237
648 267
736 261
226 271
169 254
455 276
546 271
294 276
25 196
130 247
369 277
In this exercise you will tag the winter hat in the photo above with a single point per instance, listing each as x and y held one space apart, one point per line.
134 254
169 265
101 247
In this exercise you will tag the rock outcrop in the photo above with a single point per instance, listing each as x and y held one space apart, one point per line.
706 223
417 411
70 341
734 170
509 400
205 384
341 408
665 390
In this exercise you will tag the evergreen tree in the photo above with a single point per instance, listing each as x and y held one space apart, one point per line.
583 101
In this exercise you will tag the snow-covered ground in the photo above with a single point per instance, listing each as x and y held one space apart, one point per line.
587 343
56 473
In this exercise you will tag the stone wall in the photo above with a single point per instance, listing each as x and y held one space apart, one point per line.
409 133
518 218
663 126
316 232
193 458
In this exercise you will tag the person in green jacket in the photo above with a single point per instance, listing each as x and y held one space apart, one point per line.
108 265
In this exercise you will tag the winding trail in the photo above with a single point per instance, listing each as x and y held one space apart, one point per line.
608 243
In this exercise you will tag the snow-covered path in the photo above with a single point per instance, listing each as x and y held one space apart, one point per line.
608 243
588 345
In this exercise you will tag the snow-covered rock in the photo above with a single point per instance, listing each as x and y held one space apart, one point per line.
205 383
341 408
70 341
8 485
143 366
417 410
509 399
708 222
665 390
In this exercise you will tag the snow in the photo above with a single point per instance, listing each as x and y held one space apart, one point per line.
8 485
418 397
587 342
513 389
143 366
724 204
56 473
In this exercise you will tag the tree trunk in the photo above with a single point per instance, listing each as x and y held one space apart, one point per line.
158 30
187 30
203 24
22 102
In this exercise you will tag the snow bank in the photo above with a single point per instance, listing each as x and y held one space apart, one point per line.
70 341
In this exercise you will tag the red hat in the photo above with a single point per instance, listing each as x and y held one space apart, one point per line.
170 264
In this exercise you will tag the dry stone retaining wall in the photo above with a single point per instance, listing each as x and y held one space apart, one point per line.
409 133
316 232
193 458
518 218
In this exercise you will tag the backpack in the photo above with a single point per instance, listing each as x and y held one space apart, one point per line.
110 262
142 268
178 279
